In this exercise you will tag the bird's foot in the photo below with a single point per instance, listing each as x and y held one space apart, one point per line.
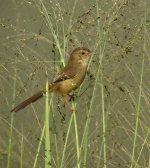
73 110
72 96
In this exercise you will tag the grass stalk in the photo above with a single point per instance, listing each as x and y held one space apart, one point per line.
49 23
22 150
77 140
104 126
47 131
11 123
39 147
66 142
138 108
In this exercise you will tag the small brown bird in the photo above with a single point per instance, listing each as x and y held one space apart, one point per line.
71 76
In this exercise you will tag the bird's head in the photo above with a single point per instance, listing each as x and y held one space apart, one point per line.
80 54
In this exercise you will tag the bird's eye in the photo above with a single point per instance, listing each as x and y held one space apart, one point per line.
82 52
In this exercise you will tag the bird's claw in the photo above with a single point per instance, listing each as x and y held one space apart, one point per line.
72 96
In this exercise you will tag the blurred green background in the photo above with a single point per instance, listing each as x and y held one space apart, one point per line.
34 44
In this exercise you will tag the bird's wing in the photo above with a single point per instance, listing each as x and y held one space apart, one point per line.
68 72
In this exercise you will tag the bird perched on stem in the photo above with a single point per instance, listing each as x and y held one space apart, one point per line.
68 79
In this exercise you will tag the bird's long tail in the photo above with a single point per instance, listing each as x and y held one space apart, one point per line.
33 98
28 101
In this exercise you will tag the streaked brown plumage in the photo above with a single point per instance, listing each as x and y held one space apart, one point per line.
67 80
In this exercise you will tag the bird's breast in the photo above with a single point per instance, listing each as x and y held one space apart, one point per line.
68 85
